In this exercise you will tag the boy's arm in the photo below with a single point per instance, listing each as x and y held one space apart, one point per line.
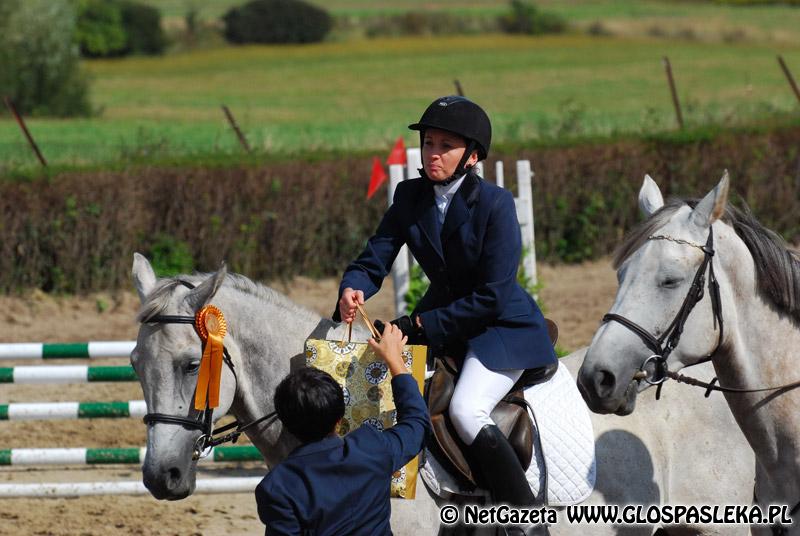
276 513
405 439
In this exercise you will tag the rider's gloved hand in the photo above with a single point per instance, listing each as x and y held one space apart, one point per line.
410 327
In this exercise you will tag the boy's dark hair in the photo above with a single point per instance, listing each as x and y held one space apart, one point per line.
309 402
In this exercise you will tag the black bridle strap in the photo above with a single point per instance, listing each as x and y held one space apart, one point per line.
674 331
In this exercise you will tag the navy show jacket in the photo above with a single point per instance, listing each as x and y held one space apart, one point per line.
340 486
474 298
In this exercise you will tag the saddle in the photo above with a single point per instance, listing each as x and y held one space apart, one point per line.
510 414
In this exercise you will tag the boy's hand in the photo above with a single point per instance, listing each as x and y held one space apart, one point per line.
390 349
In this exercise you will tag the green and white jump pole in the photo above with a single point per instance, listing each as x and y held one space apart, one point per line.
86 456
66 374
77 489
71 350
72 410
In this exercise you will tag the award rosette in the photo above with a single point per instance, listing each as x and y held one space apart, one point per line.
211 327
366 382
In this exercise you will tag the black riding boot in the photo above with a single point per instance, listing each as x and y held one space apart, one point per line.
500 469
502 473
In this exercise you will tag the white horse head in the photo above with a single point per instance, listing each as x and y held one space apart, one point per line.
265 336
657 265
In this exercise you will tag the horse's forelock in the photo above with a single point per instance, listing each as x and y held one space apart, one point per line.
157 300
637 236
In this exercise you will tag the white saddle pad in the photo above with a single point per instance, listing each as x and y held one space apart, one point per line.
565 447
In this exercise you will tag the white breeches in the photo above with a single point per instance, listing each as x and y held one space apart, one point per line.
477 392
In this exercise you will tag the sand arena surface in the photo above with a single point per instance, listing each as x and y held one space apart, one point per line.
576 297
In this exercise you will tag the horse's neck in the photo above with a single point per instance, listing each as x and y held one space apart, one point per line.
761 349
270 339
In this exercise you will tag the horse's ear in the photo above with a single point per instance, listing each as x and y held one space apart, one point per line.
712 205
144 278
206 290
650 198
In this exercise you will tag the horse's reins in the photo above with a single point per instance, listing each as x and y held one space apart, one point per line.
673 333
209 437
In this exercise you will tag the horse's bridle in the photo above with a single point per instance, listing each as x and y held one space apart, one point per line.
209 437
672 334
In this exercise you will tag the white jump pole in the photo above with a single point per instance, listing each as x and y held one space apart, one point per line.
79 489
525 192
498 174
400 275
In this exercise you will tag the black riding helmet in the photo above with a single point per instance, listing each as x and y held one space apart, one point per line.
463 117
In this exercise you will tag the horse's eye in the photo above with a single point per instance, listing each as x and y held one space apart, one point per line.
671 282
191 367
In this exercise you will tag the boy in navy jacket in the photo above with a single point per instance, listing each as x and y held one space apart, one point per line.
340 486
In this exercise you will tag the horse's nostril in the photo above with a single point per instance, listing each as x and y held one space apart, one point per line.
174 476
604 383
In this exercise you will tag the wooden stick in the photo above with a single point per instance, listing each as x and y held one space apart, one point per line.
675 102
232 121
21 123
789 77
459 89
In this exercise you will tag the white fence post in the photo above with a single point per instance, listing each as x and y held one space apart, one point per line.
414 162
498 173
479 169
525 191
400 276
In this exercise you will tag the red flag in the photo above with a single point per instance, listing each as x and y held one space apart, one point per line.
378 177
398 154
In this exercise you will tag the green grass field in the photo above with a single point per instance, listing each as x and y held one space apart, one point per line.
361 95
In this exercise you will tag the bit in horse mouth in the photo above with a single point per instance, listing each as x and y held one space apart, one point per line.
628 403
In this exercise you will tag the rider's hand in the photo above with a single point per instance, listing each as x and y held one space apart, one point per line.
411 328
390 348
347 304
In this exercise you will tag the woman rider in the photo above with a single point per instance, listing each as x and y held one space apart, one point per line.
464 233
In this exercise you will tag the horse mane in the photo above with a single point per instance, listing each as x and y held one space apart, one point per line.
777 266
160 297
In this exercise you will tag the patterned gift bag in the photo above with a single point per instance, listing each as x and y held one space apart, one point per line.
366 382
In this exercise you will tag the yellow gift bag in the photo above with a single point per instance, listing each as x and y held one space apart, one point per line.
365 379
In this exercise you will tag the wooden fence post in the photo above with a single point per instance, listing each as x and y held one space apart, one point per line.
24 128
789 77
675 102
235 127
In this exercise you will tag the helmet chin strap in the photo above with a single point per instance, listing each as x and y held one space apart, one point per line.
460 170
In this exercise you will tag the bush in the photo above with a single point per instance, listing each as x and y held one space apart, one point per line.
142 24
525 18
99 31
109 28
276 21
39 67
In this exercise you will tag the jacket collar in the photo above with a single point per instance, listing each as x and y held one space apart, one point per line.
457 213
326 443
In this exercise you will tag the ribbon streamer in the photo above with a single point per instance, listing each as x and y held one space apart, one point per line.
211 326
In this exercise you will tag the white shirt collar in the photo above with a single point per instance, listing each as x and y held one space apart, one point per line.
450 189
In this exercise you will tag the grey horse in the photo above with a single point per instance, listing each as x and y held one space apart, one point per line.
751 338
639 461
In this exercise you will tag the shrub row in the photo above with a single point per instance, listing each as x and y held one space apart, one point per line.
108 28
77 232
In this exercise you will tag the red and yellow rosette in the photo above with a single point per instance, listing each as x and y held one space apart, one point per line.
211 327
